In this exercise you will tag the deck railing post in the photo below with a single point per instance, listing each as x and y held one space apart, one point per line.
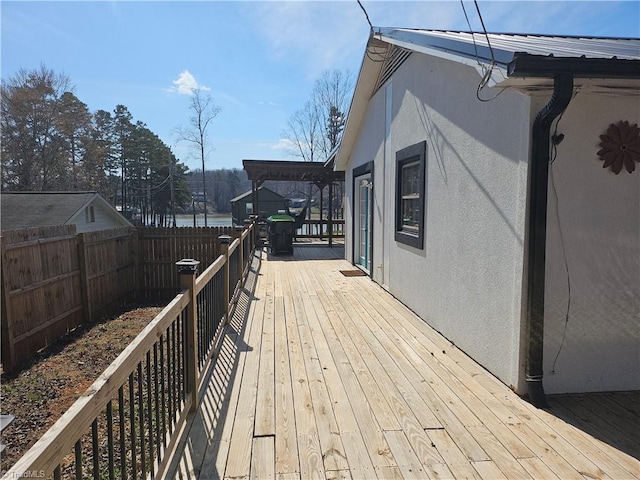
187 271
254 237
225 240
240 267
247 225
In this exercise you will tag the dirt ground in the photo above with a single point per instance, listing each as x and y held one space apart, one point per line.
40 393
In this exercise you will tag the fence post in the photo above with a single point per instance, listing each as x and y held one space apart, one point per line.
225 240
135 249
187 271
6 330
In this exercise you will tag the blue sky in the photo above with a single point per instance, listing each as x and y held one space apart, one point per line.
258 60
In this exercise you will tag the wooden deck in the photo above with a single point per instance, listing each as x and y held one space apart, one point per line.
327 376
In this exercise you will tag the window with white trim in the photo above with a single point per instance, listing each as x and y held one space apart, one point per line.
89 214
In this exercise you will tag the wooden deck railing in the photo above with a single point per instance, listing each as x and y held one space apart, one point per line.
127 424
313 228
320 228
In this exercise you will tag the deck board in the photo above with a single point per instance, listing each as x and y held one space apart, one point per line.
286 440
242 433
262 458
311 465
265 423
328 431
328 376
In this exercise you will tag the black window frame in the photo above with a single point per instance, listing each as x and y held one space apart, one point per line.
416 153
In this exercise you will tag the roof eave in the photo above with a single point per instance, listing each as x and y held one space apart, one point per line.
108 209
260 171
364 89
72 217
250 193
525 65
506 64
461 52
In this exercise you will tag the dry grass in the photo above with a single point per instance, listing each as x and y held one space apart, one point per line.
42 391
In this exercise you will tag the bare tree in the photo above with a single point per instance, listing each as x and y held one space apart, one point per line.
331 94
304 132
316 129
204 111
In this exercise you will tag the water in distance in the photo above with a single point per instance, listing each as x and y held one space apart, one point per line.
214 220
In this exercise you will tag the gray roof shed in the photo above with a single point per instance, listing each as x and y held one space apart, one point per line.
39 209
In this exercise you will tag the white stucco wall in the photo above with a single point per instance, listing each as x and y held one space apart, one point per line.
598 214
467 280
370 147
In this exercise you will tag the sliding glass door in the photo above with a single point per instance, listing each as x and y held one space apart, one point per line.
364 210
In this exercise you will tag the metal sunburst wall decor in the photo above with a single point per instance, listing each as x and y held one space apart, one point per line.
620 147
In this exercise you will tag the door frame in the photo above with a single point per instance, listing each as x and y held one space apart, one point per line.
362 170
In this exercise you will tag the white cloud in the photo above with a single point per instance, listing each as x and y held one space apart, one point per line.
284 144
327 35
316 35
573 17
226 98
186 83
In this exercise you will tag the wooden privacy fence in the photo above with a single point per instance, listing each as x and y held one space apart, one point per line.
108 270
54 280
127 424
158 249
41 289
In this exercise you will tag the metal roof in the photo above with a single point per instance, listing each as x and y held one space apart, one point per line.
506 45
261 170
249 193
520 55
525 61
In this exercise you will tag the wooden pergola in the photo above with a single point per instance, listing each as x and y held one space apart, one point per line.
321 174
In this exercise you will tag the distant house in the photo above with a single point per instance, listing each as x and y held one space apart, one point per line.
270 202
476 195
88 211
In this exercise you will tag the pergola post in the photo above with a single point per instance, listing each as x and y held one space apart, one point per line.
321 188
254 197
319 174
330 214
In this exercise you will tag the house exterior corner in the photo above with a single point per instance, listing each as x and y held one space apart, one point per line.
592 291
466 278
438 180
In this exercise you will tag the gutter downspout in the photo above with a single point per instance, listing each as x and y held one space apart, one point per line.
540 158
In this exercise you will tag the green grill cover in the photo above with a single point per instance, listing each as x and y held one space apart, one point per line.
280 218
